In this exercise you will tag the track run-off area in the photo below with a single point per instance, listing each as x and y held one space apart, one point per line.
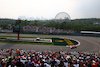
87 44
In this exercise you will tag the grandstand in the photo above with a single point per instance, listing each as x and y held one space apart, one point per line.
47 30
32 58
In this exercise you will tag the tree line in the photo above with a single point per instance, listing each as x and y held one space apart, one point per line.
77 25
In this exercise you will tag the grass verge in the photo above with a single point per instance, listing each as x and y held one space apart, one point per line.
27 37
25 42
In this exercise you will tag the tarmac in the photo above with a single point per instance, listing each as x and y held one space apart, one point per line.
87 44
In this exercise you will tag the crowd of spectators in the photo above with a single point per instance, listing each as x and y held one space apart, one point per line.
39 29
32 58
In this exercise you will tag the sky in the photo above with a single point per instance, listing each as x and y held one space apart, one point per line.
49 8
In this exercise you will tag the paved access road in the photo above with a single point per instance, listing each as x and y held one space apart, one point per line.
88 44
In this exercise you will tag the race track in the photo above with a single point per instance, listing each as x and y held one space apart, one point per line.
88 44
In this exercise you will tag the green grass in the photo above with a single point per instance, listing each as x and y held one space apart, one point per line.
21 42
27 37
3 39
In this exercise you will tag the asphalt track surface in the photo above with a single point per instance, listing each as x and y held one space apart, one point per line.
87 44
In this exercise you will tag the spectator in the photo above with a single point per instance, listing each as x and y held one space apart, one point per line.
30 58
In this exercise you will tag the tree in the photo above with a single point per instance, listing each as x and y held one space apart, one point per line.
4 25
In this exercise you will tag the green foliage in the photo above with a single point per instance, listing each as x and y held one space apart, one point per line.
76 25
8 21
25 22
35 23
4 25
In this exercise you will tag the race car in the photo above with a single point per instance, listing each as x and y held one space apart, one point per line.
73 47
